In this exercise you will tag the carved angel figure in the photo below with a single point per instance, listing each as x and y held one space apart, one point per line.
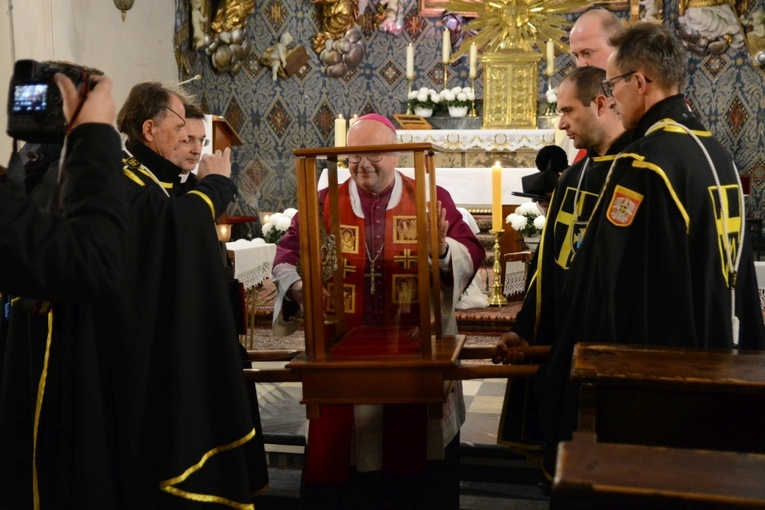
709 27
275 56
197 23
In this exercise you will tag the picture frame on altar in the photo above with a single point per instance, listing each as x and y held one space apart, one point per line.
435 8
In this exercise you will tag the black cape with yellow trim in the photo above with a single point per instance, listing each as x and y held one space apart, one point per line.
144 404
652 268
564 228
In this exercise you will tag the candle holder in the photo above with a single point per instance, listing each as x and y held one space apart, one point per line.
409 93
472 112
497 298
446 73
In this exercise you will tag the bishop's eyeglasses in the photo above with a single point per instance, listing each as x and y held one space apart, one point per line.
372 158
608 85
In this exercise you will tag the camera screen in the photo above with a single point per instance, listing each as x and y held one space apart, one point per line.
30 98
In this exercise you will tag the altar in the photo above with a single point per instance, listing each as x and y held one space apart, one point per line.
480 148
469 187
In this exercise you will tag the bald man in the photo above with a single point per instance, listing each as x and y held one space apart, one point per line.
589 37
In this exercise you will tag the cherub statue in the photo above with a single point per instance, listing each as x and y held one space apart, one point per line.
197 23
391 16
275 56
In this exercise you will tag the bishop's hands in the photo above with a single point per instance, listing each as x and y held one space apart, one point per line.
218 163
295 295
98 106
505 352
443 227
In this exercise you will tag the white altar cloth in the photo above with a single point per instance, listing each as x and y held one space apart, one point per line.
252 260
480 139
469 187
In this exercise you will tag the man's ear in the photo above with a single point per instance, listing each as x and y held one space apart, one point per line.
603 104
642 84
148 130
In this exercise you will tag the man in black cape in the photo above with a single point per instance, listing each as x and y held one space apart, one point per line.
665 259
130 394
589 119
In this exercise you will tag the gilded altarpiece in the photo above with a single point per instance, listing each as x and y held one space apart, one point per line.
510 89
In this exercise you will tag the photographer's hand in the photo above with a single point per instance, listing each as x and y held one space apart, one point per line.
217 163
99 105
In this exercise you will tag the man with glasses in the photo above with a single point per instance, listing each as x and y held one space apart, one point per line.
379 242
665 260
589 119
174 329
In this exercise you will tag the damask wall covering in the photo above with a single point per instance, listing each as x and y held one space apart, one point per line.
274 118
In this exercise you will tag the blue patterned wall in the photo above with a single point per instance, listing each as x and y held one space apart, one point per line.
274 118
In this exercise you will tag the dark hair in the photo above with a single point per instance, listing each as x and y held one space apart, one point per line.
147 100
193 111
652 50
586 82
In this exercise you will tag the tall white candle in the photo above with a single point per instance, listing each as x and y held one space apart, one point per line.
550 58
446 47
410 62
340 131
473 60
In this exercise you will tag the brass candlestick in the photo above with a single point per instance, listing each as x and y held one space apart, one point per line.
472 101
497 298
446 73
409 93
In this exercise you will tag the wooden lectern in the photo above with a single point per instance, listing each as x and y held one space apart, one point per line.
327 377
223 135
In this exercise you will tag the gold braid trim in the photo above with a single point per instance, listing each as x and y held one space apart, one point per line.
38 411
167 485
206 199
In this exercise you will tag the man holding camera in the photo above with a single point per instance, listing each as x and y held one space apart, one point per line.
120 377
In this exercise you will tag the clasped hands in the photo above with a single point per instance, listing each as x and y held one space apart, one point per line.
505 352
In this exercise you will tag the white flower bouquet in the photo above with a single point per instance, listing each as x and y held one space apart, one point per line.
424 98
277 225
552 101
527 220
457 96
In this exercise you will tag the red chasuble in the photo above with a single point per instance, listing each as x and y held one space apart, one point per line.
394 270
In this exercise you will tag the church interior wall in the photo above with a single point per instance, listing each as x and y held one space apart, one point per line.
90 32
274 118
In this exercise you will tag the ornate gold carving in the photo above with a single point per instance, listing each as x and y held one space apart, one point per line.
510 89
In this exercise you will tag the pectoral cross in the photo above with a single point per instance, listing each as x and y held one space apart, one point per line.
371 275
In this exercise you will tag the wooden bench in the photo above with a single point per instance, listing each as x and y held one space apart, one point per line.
685 398
596 475
664 427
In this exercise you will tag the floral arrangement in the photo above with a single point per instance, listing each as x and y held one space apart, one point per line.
552 101
277 225
527 220
424 98
458 96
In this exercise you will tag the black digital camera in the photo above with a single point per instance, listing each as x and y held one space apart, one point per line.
35 107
